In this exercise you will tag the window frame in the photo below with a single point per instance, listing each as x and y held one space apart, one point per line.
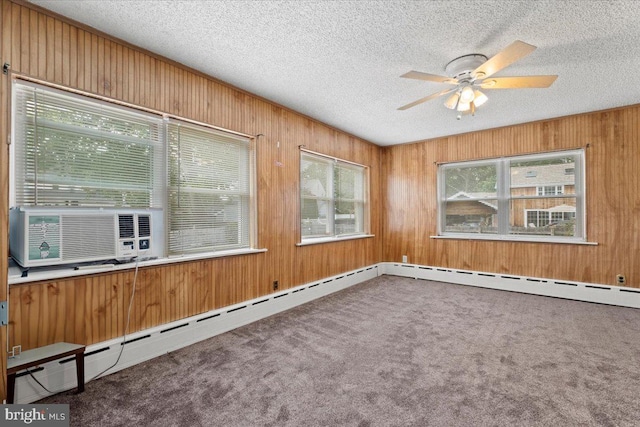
223 140
331 201
505 198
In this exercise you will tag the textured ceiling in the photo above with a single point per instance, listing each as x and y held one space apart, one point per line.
340 61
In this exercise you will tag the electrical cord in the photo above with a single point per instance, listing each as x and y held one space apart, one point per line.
40 384
126 326
124 339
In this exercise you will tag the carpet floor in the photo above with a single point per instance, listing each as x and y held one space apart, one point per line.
391 351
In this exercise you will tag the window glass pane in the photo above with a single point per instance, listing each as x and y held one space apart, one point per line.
316 180
543 177
471 216
314 218
348 183
477 182
348 217
543 216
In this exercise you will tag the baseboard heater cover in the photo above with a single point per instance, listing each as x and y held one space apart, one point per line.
147 344
580 291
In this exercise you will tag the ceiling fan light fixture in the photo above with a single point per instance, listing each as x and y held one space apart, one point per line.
466 94
464 106
452 101
480 98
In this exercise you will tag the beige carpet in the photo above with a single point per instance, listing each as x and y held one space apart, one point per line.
392 352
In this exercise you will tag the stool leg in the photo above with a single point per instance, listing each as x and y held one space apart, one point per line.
80 371
11 386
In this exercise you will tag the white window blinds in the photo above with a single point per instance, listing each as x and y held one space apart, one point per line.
209 189
77 151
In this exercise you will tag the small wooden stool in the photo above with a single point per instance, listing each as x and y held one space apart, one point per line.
40 355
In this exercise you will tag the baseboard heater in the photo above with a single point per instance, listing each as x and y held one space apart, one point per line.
580 291
145 345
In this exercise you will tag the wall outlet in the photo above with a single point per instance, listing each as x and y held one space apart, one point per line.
275 285
621 279
405 258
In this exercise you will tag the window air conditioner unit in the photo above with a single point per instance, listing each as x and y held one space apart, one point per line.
41 236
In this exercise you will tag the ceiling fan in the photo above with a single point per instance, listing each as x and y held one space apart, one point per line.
469 73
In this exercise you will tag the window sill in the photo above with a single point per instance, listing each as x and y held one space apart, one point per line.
37 274
319 240
514 239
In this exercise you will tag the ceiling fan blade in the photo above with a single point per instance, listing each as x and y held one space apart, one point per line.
515 51
518 82
427 98
429 77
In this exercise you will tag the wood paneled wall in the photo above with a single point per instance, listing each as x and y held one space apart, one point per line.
612 199
403 193
93 308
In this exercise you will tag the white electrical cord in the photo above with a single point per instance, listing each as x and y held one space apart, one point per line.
126 326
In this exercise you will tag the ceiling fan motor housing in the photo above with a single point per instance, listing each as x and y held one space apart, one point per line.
462 67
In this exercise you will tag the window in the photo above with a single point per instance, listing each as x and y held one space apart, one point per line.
209 189
518 198
550 190
71 150
542 218
333 197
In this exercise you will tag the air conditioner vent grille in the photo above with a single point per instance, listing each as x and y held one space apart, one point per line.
144 225
87 235
126 227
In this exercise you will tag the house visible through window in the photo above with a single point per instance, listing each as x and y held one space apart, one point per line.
518 198
333 197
